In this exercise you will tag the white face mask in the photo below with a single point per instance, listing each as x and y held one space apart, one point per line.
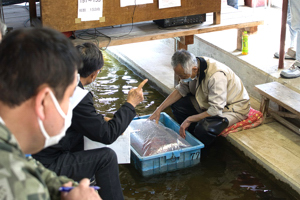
1 121
188 79
49 141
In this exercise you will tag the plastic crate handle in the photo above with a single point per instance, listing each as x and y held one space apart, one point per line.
172 156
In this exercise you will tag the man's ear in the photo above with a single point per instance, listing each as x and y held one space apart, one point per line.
195 69
94 74
40 102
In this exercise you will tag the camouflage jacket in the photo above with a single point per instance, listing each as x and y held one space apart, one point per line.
24 178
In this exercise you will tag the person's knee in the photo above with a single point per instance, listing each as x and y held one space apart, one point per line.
175 105
177 109
295 18
110 154
204 136
295 26
182 106
209 128
103 157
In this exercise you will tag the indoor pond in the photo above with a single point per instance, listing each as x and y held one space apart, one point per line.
223 173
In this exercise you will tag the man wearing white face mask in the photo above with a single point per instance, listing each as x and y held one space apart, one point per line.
209 97
38 68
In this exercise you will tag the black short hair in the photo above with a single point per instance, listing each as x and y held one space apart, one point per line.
92 58
31 57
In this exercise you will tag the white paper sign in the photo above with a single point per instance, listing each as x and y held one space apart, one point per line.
168 3
78 95
90 10
124 3
121 146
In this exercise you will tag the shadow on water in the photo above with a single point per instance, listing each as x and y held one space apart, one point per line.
221 174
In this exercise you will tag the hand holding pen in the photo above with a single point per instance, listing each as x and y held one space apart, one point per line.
81 192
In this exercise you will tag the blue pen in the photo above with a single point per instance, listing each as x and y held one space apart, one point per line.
68 189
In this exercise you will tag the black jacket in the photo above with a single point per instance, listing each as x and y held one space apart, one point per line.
87 122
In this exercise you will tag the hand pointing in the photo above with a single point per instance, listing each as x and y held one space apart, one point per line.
135 95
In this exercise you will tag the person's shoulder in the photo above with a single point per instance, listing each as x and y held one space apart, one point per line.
212 62
87 100
88 96
9 148
214 65
6 138
208 59
19 178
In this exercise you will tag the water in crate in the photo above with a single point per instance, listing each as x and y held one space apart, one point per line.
149 138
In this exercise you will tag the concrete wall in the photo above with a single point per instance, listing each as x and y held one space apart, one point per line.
249 74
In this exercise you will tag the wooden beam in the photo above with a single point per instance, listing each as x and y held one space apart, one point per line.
286 123
153 33
284 114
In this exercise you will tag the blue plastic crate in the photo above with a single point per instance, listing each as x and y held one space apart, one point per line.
169 161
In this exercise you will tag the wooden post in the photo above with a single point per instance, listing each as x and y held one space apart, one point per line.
250 30
264 106
182 43
239 39
217 17
282 36
32 11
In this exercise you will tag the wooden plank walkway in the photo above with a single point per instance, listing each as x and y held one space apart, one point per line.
147 31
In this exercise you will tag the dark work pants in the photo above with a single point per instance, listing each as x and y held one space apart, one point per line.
182 109
101 163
